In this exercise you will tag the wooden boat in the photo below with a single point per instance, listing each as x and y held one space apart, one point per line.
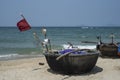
68 61
108 49
72 63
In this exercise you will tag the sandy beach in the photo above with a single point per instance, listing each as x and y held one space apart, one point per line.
29 69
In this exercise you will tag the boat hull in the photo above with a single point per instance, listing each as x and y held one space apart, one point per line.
72 63
108 50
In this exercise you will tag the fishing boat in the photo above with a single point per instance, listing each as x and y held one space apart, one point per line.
73 62
108 49
68 61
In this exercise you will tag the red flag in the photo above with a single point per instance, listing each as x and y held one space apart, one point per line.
23 25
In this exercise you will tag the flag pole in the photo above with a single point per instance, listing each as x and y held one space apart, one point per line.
22 16
44 33
37 38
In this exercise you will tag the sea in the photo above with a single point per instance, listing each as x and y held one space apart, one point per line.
16 45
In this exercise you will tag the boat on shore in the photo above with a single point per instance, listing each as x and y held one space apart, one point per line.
69 61
72 63
110 49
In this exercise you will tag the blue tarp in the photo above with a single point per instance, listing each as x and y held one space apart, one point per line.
69 50
118 47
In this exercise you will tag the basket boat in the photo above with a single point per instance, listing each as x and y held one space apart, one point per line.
109 50
72 63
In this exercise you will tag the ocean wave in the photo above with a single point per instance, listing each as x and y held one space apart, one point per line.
65 46
8 55
17 56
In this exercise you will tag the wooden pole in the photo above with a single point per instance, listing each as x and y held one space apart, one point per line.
22 16
58 58
37 39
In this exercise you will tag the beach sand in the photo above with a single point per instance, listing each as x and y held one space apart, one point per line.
29 69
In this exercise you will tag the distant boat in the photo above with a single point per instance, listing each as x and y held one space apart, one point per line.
108 49
84 27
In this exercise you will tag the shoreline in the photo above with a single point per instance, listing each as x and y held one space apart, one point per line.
29 69
16 57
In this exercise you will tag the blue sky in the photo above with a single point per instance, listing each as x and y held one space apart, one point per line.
61 12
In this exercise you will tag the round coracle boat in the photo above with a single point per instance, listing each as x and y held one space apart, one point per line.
110 50
72 63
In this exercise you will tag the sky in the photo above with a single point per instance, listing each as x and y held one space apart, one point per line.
61 12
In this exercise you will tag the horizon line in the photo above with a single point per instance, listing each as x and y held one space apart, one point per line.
66 26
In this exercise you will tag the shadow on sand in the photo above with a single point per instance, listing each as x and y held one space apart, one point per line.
95 70
110 57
